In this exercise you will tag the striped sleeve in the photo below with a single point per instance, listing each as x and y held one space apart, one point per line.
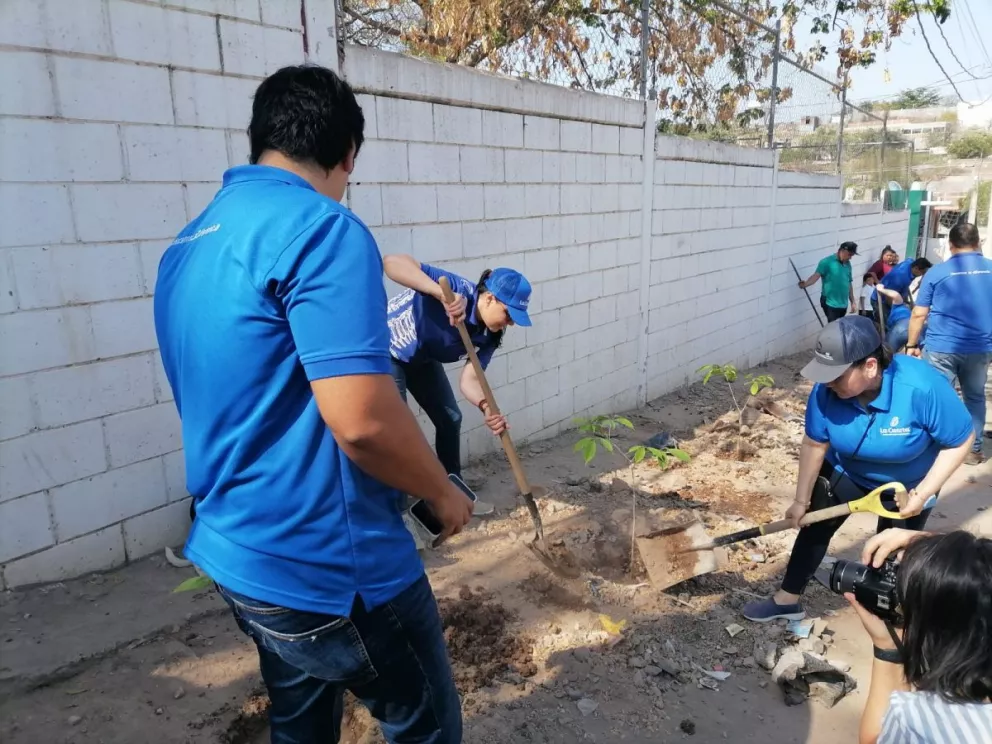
893 723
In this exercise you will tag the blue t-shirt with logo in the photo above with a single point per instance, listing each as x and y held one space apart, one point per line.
916 414
959 295
897 313
273 286
900 277
419 329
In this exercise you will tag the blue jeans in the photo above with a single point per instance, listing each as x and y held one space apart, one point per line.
429 386
971 371
392 658
898 335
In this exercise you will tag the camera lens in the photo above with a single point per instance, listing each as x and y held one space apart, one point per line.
846 575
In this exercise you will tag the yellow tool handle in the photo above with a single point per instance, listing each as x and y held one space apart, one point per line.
511 451
872 502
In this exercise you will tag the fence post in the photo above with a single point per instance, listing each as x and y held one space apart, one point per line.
649 162
840 129
774 99
645 14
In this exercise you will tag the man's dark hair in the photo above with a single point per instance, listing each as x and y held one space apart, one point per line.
848 245
308 114
964 235
882 355
945 589
921 264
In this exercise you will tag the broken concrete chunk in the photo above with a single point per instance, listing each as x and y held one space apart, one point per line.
586 706
788 667
765 654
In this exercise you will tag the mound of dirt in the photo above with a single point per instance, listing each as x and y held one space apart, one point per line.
481 643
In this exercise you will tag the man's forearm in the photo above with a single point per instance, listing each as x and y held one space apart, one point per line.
397 454
916 321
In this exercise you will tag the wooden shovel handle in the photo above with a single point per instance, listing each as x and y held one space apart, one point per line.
820 515
511 451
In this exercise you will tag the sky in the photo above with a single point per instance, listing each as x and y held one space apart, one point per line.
910 65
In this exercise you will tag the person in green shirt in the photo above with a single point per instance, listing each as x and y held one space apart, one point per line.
838 289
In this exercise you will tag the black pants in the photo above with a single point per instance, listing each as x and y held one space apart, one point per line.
812 542
832 313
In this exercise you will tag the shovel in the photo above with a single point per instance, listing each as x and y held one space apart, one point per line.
537 545
679 552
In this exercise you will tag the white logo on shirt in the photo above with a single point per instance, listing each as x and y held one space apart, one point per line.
894 421
197 235
402 329
894 430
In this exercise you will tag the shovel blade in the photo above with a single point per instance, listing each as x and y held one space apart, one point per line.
668 556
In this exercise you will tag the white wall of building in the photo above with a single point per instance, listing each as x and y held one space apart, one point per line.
122 116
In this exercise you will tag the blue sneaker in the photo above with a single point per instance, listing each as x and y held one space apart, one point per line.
766 610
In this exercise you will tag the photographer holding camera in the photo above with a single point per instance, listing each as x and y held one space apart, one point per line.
871 419
931 680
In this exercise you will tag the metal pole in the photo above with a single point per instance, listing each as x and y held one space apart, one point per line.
774 99
840 132
815 312
645 9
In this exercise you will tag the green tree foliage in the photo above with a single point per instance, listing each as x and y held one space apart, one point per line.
971 144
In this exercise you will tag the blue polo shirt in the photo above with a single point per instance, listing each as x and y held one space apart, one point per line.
271 287
419 329
900 277
959 295
916 414
897 313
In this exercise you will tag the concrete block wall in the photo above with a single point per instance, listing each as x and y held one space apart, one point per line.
117 121
649 256
469 171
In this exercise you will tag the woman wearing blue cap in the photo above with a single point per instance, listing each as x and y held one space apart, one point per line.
871 419
423 337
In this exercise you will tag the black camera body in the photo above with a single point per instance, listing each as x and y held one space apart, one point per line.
874 588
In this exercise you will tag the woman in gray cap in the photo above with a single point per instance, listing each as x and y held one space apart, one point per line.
871 419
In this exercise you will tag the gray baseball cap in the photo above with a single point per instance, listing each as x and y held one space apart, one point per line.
839 345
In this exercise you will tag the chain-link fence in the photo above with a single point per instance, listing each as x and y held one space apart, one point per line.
715 72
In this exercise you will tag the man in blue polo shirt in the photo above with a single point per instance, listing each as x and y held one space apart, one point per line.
955 300
271 316
903 274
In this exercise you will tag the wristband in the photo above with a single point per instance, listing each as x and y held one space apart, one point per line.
890 655
482 406
912 346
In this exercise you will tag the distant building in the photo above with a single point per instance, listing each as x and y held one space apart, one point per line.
975 115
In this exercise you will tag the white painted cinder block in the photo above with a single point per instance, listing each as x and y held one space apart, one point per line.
382 162
61 275
404 205
50 24
576 136
35 214
502 130
435 243
28 87
44 338
281 13
24 526
541 386
400 119
149 533
16 413
457 125
112 91
123 327
89 504
174 153
540 266
142 434
117 211
522 166
248 49
198 196
606 139
481 165
87 391
237 8
174 465
523 235
150 34
541 133
460 203
504 201
38 150
433 163
541 200
365 200
213 100
50 458
94 552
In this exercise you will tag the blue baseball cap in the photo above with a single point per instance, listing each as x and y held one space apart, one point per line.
513 290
